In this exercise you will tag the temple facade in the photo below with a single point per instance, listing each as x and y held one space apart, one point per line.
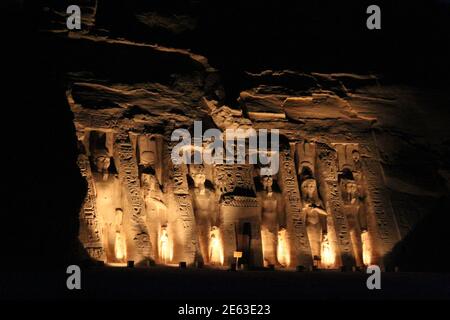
326 207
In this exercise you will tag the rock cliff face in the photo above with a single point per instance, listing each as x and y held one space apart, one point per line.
411 139
143 70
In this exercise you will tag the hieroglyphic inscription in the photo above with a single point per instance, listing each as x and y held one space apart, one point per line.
331 195
239 202
185 212
229 177
98 121
300 251
378 201
128 173
178 180
90 226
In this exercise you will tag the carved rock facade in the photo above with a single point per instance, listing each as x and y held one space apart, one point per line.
326 207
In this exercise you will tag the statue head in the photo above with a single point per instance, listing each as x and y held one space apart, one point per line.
350 190
164 231
214 231
102 161
149 181
198 175
267 181
309 190
199 179
351 187
355 155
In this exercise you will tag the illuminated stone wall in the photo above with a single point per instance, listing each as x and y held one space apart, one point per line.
329 209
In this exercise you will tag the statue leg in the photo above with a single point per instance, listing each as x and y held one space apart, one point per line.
357 246
110 244
269 239
203 230
314 235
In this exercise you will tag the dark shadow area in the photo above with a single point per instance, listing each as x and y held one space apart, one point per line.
205 285
426 247
42 186
309 36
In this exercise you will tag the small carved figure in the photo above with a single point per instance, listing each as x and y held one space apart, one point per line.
152 193
120 248
164 247
215 247
282 250
356 160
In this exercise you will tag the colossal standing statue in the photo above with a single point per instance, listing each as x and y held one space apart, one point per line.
155 208
205 208
272 216
316 216
356 217
109 198
149 160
